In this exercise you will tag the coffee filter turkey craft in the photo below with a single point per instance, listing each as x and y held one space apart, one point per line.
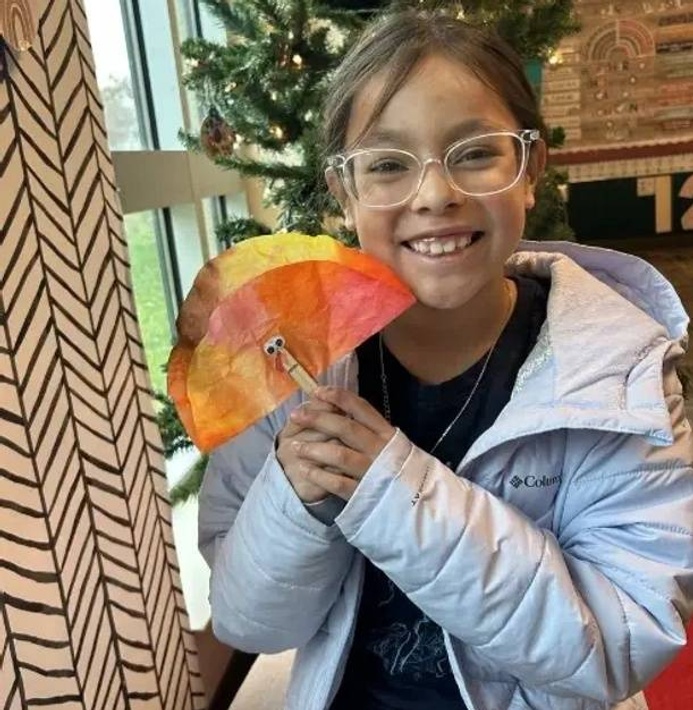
285 307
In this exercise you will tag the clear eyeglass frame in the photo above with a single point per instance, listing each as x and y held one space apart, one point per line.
527 137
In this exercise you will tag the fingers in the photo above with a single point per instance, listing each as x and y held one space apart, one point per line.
294 428
295 467
326 449
341 486
335 426
334 456
353 406
366 434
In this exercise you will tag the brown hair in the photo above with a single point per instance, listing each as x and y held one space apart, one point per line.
396 42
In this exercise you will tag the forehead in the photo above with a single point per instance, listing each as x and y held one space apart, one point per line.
439 98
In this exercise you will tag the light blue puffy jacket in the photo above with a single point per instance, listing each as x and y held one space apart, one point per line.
558 558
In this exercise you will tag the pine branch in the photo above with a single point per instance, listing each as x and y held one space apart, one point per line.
257 168
189 486
238 18
173 434
236 230
273 11
549 220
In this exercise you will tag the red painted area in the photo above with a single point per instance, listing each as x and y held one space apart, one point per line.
578 156
673 689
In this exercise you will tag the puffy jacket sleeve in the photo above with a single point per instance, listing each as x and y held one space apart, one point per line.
276 569
594 608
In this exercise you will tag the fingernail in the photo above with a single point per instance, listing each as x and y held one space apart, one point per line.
296 445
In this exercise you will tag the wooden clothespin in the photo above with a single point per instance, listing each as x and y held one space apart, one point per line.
276 347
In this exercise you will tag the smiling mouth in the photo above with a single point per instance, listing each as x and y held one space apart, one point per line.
442 246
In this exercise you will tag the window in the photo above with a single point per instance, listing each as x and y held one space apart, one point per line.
172 200
158 38
154 314
112 57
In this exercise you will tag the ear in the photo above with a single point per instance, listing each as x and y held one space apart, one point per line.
337 190
535 169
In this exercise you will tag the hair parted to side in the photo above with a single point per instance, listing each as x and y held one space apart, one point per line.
397 41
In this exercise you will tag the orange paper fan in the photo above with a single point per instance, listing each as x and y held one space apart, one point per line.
321 298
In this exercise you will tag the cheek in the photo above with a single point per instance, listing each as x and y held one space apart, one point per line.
508 215
374 230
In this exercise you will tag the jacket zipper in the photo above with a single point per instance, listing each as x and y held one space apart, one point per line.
457 673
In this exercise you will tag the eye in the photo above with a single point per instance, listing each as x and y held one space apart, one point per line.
273 345
472 155
381 163
387 165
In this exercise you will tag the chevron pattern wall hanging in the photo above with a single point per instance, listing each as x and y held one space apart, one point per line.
91 609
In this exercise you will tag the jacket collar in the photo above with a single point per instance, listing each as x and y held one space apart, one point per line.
597 364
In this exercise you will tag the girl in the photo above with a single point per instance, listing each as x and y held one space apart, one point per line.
502 516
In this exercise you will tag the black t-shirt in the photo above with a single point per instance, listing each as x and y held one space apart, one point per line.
398 659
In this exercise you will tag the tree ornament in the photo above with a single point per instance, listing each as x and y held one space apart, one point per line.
218 139
277 132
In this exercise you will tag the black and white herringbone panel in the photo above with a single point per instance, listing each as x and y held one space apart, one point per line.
91 608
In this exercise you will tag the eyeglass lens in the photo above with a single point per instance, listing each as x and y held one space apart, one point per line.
477 166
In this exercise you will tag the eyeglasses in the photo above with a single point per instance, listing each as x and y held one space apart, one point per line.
484 165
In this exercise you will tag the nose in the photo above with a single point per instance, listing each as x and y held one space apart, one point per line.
435 192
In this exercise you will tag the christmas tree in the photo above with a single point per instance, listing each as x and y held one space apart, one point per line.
263 91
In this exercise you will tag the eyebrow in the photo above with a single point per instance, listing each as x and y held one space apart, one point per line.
459 130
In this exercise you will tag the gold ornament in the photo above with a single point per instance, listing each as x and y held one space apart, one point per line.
19 22
297 60
218 139
277 132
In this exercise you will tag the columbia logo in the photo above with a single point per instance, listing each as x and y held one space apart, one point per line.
534 482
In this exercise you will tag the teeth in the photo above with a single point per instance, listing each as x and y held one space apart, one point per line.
436 247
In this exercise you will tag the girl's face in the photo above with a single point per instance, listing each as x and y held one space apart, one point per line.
439 104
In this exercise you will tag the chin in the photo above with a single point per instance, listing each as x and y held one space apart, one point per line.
441 301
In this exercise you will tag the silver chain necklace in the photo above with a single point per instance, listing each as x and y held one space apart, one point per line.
385 389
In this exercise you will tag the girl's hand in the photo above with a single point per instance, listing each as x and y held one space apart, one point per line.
353 435
294 466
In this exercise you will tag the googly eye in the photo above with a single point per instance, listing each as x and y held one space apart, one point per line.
273 345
